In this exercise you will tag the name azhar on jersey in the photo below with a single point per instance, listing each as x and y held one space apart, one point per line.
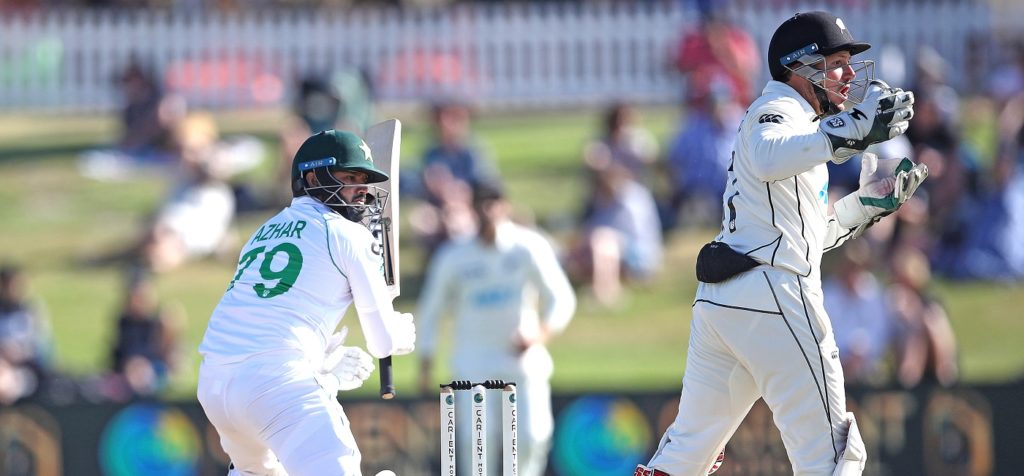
272 231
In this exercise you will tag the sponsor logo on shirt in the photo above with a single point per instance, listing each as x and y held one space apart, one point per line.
836 122
493 297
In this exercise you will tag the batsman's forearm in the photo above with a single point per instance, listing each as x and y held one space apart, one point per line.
379 342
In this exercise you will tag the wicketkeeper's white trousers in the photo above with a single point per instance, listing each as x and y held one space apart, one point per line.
761 334
273 417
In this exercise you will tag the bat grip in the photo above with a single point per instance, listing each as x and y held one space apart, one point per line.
387 382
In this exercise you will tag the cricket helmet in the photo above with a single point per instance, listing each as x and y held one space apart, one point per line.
331 151
805 39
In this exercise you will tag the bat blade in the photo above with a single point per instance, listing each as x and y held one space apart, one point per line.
385 142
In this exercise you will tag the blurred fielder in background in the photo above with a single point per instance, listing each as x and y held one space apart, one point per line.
271 367
493 281
759 327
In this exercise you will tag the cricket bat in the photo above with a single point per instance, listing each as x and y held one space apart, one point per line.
385 142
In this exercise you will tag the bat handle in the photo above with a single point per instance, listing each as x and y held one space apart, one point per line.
387 382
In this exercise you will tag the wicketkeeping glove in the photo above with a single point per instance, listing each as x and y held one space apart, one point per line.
885 113
883 190
344 368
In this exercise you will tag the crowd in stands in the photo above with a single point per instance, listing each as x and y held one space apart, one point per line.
965 222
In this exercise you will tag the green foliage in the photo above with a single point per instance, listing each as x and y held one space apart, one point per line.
54 222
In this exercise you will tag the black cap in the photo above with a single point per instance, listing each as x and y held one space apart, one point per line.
823 29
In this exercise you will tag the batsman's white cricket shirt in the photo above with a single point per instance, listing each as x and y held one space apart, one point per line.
296 277
493 290
776 199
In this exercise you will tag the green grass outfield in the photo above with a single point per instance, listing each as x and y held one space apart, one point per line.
52 219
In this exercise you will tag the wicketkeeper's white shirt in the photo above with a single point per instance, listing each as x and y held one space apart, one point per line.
776 199
296 277
494 291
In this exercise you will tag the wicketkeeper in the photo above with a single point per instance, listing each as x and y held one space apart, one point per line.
759 327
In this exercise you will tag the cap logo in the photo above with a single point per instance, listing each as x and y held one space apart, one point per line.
326 161
841 25
366 150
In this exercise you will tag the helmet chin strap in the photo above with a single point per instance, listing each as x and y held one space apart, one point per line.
828 107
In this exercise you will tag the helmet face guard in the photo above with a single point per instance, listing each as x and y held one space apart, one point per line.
810 65
329 193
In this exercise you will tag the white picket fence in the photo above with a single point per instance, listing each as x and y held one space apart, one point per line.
509 54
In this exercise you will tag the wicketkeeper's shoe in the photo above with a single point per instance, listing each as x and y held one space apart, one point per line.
642 470
718 462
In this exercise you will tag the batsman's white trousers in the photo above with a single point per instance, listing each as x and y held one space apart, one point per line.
274 419
761 334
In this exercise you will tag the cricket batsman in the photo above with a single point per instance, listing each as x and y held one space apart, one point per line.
271 366
759 328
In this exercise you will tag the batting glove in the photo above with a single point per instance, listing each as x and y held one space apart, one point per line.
883 190
885 113
344 368
403 333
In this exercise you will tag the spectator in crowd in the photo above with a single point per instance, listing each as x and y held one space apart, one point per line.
510 297
990 236
145 351
24 338
620 235
929 351
317 106
453 164
699 155
931 75
866 331
1006 80
149 117
718 48
195 219
625 142
953 169
319 102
